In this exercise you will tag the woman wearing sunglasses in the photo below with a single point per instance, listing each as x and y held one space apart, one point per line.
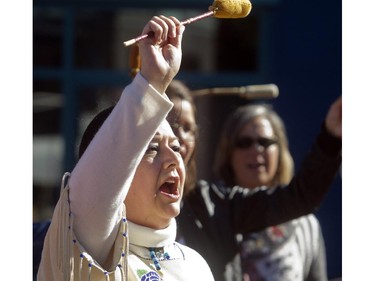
212 215
253 153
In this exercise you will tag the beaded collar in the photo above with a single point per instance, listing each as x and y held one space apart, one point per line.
156 245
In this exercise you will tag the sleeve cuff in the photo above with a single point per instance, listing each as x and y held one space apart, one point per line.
329 144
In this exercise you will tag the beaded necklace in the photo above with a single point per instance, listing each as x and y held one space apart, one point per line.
158 254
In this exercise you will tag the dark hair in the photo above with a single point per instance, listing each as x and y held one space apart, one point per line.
176 89
92 129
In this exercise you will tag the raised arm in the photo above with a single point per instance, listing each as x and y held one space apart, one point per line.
306 190
102 177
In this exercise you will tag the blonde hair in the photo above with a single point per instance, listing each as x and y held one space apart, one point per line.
232 127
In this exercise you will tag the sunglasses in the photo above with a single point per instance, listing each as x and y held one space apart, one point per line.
247 142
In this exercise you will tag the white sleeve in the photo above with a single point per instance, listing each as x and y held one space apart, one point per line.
101 179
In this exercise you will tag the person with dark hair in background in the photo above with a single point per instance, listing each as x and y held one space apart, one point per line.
115 219
212 214
253 153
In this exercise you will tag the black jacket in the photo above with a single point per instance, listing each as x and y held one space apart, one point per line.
211 216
